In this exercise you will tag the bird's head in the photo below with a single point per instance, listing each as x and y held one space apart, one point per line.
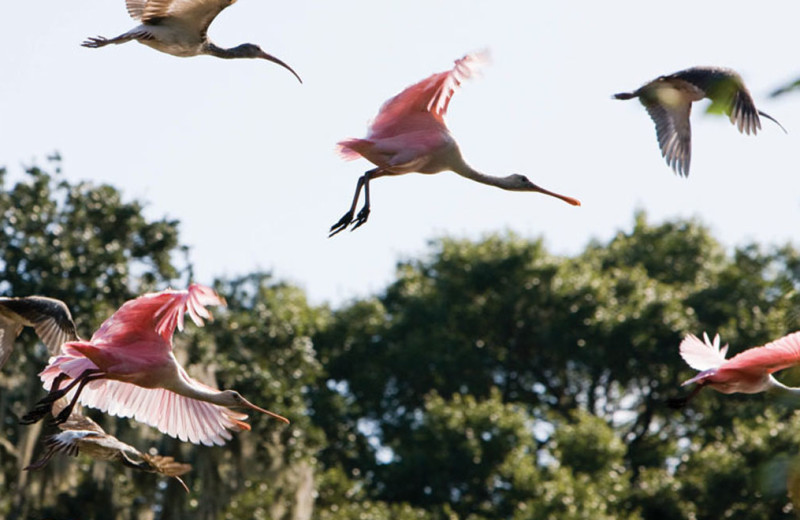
518 182
232 398
251 50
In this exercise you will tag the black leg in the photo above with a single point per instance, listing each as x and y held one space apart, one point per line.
64 414
679 403
347 218
45 405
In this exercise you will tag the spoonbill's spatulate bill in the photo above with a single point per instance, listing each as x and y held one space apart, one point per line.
180 28
409 135
128 369
668 99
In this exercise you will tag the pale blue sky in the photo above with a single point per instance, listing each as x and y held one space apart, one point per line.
244 156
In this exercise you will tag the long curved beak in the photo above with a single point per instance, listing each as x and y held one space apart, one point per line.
250 405
273 59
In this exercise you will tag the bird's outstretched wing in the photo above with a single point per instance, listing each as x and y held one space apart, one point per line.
432 94
728 95
674 133
775 355
50 318
702 355
197 14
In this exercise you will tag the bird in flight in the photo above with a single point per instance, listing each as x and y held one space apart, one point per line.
409 135
748 372
180 28
50 319
128 369
80 434
668 99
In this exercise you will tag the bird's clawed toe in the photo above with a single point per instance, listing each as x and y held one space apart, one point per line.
345 221
361 219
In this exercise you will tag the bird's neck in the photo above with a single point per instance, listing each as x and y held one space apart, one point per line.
460 166
193 390
782 391
214 50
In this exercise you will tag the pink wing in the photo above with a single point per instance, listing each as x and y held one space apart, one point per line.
775 355
155 314
431 95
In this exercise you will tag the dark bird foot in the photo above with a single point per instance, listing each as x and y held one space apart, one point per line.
678 403
95 43
361 219
37 414
342 224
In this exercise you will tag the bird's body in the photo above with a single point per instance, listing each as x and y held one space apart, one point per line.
80 434
128 369
180 28
409 135
50 318
748 372
668 99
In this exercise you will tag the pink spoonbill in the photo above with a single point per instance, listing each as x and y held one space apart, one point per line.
409 135
748 372
128 369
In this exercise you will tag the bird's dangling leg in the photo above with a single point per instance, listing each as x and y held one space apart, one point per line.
85 379
45 404
100 41
363 215
347 218
679 403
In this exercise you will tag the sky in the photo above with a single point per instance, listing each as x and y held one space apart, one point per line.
244 156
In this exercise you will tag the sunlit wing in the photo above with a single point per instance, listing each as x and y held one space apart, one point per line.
194 13
702 355
432 95
775 355
671 116
186 419
50 319
728 94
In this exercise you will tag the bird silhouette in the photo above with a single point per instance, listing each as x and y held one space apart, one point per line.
180 27
128 369
50 319
80 434
409 135
668 99
748 372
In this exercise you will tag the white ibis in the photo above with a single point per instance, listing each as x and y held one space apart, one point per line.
668 99
180 27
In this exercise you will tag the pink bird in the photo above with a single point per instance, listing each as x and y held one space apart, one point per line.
748 372
409 135
128 369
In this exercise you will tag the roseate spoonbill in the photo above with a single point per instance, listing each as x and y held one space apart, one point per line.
128 369
50 318
180 27
80 434
668 99
748 372
409 135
